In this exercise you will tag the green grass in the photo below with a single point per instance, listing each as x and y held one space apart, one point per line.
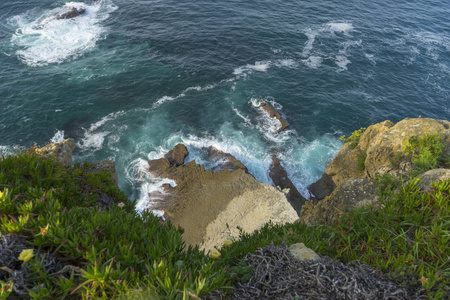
116 252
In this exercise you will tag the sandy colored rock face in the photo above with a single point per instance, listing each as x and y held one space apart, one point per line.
386 144
250 211
381 142
209 205
62 151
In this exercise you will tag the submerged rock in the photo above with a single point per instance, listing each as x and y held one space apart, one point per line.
281 180
72 13
274 114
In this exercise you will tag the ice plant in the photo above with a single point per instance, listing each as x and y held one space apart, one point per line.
214 254
121 204
1 195
26 254
228 243
44 230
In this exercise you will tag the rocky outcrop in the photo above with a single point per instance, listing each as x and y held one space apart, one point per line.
224 160
71 13
274 114
379 147
210 205
353 193
432 176
282 181
62 151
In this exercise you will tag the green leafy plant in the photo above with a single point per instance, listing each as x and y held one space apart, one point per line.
354 138
361 163
427 152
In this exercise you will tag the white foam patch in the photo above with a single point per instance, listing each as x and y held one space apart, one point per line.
260 66
309 43
268 126
342 62
183 93
58 137
45 40
313 62
94 137
247 121
339 27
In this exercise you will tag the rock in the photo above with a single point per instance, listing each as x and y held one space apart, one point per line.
322 188
274 114
281 180
159 167
72 13
300 252
381 143
353 193
432 176
227 160
62 151
209 205
177 155
386 144
345 165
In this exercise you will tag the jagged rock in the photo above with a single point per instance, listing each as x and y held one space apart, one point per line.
177 155
274 114
227 161
353 193
381 143
322 188
281 180
385 145
209 205
300 252
62 151
72 13
431 176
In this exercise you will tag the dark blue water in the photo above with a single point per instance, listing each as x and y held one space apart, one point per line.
130 79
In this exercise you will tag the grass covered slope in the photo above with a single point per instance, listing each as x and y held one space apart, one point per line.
78 247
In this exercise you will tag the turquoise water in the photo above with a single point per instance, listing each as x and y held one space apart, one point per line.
128 80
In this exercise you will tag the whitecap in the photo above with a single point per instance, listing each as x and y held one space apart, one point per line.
339 27
260 66
342 62
313 62
58 137
45 40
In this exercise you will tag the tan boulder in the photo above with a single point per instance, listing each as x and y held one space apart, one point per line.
300 252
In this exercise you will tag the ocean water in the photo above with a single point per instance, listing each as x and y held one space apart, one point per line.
130 79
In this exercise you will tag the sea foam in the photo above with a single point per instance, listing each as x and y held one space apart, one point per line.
44 39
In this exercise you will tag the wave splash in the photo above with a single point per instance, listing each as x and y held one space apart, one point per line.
45 39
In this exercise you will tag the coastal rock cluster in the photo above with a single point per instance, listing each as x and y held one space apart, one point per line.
213 205
345 184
